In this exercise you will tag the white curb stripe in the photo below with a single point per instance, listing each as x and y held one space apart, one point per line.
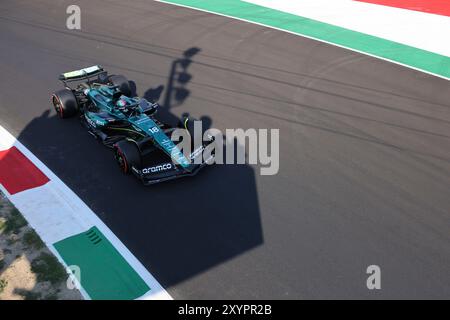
304 36
413 28
56 212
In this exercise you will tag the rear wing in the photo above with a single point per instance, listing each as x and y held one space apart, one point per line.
81 74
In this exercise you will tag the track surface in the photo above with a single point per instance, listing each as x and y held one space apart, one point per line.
365 158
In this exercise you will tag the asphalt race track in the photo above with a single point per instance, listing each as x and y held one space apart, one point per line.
364 152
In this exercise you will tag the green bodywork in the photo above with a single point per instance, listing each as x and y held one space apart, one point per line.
141 124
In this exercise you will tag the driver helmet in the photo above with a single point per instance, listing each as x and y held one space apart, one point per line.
121 103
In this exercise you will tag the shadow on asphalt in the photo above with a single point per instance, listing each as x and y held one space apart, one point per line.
177 229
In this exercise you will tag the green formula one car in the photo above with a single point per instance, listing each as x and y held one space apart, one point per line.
127 124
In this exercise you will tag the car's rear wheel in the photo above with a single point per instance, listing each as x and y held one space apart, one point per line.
122 83
65 103
127 155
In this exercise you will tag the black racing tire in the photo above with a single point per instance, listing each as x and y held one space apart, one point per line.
65 103
122 83
127 155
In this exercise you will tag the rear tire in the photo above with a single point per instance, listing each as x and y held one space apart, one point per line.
65 103
127 155
122 83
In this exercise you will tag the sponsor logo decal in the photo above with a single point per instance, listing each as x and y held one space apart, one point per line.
158 168
94 123
90 121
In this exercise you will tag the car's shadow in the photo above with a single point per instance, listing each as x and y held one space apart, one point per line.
177 229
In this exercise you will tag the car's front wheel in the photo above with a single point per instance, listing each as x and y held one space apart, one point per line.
127 155
65 103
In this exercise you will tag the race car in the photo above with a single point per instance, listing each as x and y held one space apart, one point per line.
128 125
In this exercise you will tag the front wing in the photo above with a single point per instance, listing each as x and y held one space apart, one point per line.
168 170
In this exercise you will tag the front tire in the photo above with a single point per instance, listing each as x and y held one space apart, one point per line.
127 155
122 83
65 103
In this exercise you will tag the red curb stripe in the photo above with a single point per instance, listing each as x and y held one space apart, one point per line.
18 173
440 7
